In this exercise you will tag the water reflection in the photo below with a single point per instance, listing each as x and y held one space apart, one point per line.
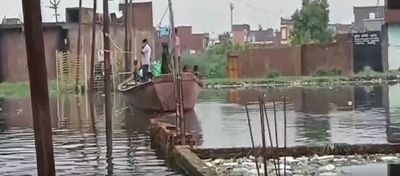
79 140
319 115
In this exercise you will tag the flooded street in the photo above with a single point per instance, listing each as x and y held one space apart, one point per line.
353 115
79 143
315 116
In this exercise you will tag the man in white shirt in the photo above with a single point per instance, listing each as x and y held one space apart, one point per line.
146 54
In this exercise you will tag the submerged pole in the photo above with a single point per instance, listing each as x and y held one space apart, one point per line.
264 147
251 136
270 137
38 87
284 131
93 49
78 49
107 73
276 134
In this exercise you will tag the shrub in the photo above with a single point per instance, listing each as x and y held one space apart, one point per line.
273 75
323 72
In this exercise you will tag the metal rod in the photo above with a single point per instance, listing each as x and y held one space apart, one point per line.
263 134
276 134
39 87
270 137
285 128
251 136
93 49
107 72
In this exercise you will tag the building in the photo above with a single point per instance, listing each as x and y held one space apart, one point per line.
62 37
368 18
341 28
287 26
262 36
190 42
6 20
240 33
392 34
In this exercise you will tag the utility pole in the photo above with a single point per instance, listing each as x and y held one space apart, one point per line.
78 49
54 5
93 51
38 86
231 7
107 73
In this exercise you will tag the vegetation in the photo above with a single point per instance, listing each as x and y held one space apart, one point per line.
213 63
311 23
323 72
273 75
21 89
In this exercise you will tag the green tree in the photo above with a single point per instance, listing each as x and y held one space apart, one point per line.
311 23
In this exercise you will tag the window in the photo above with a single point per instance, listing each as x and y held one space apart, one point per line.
372 15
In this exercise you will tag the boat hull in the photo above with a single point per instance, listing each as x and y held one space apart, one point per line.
159 94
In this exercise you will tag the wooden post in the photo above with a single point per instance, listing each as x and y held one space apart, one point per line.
107 73
264 145
78 49
93 49
126 37
38 86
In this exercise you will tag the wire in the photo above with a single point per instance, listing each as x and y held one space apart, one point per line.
115 45
258 8
166 10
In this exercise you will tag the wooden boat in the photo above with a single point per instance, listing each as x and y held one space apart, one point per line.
159 94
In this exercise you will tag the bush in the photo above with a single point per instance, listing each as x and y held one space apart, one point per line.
213 63
323 72
273 75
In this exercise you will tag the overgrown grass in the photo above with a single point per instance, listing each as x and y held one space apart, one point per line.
22 89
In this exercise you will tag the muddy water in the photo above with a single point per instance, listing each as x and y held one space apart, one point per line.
315 116
354 115
79 141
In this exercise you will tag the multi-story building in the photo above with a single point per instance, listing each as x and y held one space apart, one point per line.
392 33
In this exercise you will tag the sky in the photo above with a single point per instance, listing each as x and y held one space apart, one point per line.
212 16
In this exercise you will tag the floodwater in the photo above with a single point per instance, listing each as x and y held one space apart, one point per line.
79 141
315 116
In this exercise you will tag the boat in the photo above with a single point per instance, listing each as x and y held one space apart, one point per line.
159 93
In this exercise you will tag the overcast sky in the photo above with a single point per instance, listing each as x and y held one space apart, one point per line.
209 15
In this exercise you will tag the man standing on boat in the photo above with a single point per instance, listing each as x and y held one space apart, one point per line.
146 54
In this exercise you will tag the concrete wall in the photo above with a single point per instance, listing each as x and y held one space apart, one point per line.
13 53
363 13
258 63
394 46
327 57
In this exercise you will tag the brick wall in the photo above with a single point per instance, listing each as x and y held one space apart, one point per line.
292 61
258 63
327 57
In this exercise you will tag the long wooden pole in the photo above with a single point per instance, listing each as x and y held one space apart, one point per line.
78 49
126 42
93 49
38 86
107 73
